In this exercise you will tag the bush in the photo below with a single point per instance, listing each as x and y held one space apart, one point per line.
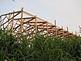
39 49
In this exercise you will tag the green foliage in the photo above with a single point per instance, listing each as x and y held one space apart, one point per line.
39 49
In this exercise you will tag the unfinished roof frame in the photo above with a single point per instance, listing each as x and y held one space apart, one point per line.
30 25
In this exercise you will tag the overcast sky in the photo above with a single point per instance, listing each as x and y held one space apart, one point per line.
66 12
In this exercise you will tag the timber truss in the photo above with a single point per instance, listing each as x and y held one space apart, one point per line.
21 22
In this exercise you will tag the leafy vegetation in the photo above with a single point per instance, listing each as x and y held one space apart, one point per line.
39 49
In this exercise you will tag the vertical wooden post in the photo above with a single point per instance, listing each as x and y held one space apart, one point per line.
43 29
0 21
36 29
67 29
63 32
55 29
79 29
75 33
47 28
21 27
55 22
12 23
9 25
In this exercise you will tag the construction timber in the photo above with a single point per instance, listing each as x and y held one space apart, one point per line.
22 22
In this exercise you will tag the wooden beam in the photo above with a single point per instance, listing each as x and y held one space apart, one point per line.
23 18
10 13
9 19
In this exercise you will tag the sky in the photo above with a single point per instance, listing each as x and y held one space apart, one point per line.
65 12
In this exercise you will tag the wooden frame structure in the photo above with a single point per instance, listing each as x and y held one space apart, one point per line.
28 24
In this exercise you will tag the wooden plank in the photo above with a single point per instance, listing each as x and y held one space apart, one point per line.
10 13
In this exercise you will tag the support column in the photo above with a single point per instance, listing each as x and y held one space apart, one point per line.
21 22
36 28
55 29
12 23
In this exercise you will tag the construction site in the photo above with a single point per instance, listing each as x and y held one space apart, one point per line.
40 30
22 22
